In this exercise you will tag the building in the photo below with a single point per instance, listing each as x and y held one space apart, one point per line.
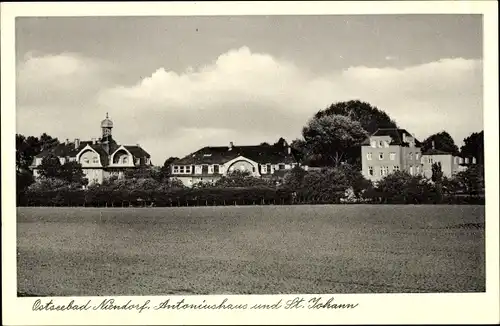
100 158
388 150
211 163
450 164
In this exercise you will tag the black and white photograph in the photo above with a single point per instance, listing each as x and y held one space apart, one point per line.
236 155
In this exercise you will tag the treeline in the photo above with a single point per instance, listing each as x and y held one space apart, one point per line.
343 184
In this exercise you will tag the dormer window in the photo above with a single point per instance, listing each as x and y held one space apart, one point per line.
386 143
381 144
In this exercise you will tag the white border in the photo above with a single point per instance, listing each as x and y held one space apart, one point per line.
373 308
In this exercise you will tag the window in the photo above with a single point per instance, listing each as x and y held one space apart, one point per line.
386 144
86 160
380 144
417 169
373 143
216 169
410 156
269 168
417 156
253 168
188 169
429 160
411 169
181 169
370 170
380 156
456 160
204 169
95 160
125 160
369 156
137 160
281 166
392 156
395 168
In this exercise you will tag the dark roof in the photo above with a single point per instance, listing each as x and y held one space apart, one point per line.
69 150
137 151
219 155
433 151
396 135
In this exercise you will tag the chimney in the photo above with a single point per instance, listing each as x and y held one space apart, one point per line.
404 137
94 141
231 145
67 141
433 145
77 143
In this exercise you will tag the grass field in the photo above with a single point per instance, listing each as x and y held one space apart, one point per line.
250 250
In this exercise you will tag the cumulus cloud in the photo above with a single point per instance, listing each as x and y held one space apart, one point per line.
249 97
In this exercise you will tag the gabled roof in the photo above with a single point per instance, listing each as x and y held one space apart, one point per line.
137 151
262 154
396 135
69 150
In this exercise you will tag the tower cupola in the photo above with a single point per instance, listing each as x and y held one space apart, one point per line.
106 126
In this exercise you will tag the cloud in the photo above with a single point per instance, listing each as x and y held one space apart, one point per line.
249 97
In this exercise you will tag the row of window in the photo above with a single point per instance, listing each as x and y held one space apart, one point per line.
384 170
190 169
392 156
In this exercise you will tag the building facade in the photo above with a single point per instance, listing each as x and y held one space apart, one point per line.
209 164
388 150
450 164
100 158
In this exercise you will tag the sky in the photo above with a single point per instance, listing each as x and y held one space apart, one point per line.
177 84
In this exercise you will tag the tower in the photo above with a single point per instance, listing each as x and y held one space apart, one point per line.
106 126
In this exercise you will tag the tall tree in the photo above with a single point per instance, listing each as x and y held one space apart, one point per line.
329 139
370 117
442 141
474 147
437 172
50 167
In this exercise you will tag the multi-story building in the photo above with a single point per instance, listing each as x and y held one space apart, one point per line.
388 150
100 158
211 163
450 164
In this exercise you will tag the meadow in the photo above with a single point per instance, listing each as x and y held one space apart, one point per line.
250 250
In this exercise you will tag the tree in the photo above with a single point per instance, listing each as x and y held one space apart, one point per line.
401 187
72 173
437 172
239 178
442 141
471 181
299 149
50 167
370 117
329 139
474 147
293 180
